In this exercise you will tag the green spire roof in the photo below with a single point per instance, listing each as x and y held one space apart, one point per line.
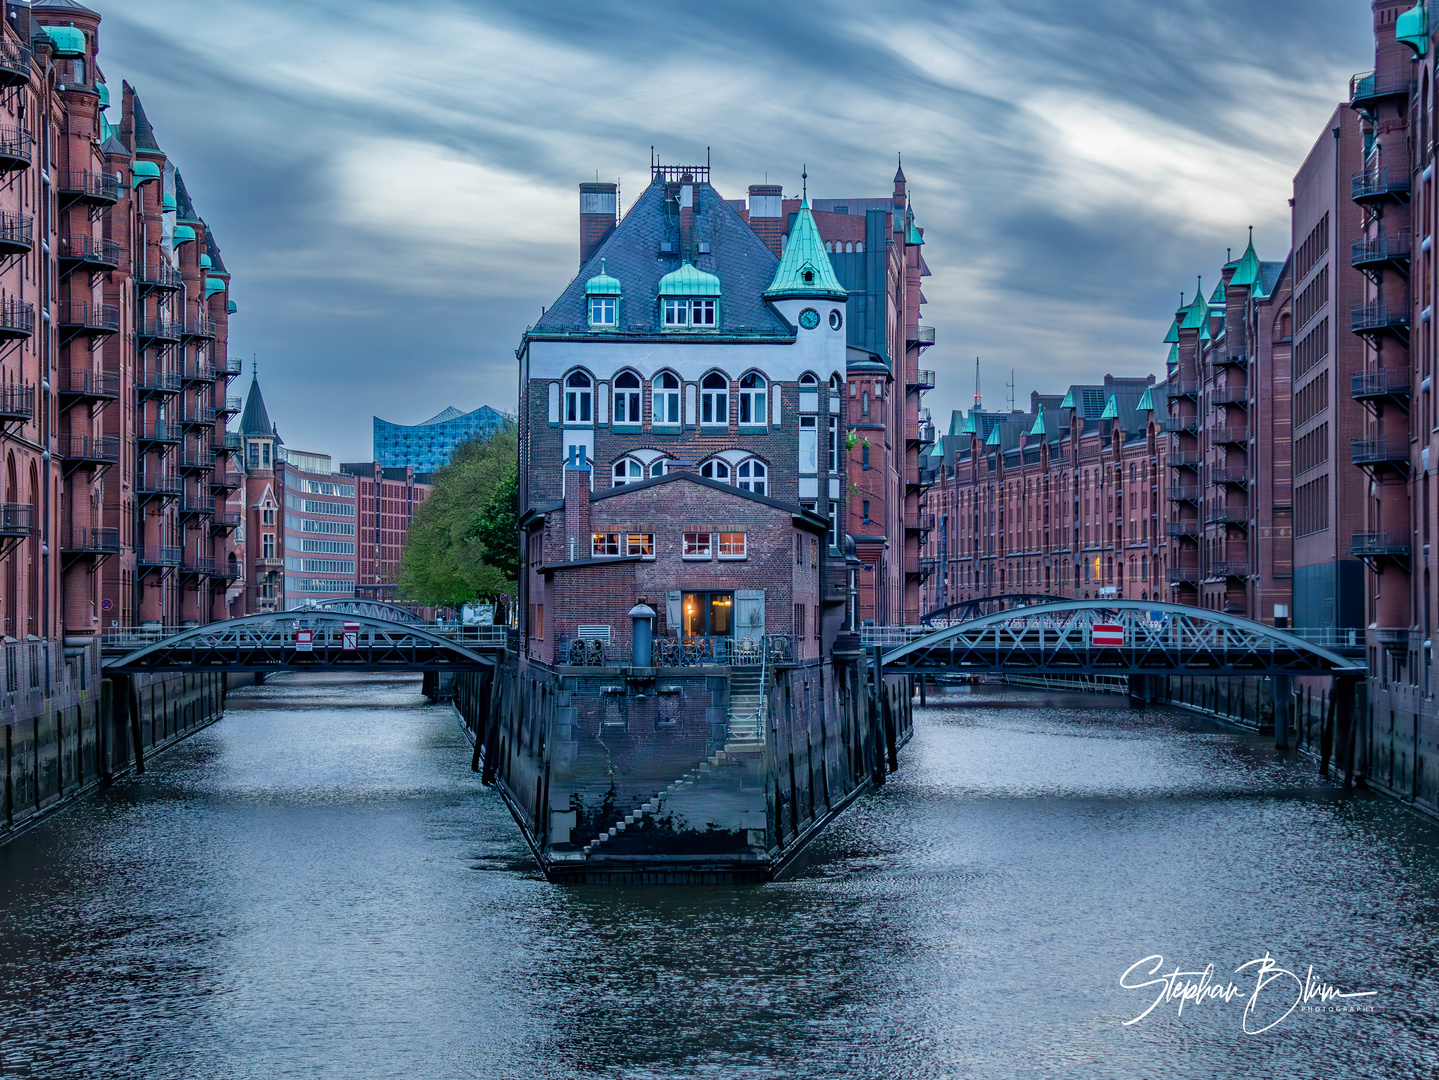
604 285
1246 271
1038 428
688 280
911 234
993 439
1196 314
968 425
1173 335
804 268
956 422
1217 299
1173 360
1146 403
1111 411
1068 402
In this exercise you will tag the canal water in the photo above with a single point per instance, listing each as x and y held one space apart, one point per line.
317 886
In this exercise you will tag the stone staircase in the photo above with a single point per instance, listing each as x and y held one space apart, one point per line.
714 761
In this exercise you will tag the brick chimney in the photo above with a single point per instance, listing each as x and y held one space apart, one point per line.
599 204
687 217
766 213
577 505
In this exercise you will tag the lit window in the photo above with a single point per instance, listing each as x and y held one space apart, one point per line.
732 545
702 313
751 399
578 396
641 544
605 544
714 399
627 471
716 470
627 398
677 312
602 311
697 545
666 404
751 476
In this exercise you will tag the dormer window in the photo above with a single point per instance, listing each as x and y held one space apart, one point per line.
603 311
702 313
602 293
677 313
689 298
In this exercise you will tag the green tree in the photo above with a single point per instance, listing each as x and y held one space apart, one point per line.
458 549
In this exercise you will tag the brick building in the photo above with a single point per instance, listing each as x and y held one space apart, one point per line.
264 547
385 510
114 303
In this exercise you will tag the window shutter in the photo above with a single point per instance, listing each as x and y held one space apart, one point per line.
749 613
673 620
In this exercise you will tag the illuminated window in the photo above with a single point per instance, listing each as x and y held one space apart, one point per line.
641 544
697 545
605 544
732 545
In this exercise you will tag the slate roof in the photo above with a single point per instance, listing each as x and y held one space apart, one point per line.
1269 274
113 146
144 133
255 420
184 204
62 5
212 249
737 256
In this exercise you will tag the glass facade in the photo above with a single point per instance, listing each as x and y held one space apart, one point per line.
426 447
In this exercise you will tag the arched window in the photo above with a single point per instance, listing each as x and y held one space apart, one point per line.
666 403
714 399
627 471
808 380
578 398
627 398
834 383
751 399
718 469
751 476
657 467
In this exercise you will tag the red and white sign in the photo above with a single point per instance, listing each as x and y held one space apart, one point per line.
304 641
350 639
1106 634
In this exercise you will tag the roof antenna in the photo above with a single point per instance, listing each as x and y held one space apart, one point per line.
804 181
976 384
1229 255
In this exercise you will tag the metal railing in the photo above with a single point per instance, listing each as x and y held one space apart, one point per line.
17 318
1371 184
17 148
923 379
193 416
1370 85
224 480
1181 528
160 275
159 556
88 315
87 185
1382 248
232 365
85 539
924 335
17 233
678 652
226 519
197 373
1182 575
193 457
154 380
1229 569
90 384
91 448
17 520
1380 316
1230 475
89 249
1393 542
231 443
150 484
1176 388
201 326
158 431
1183 492
196 505
193 564
1230 395
1181 424
228 405
1179 459
1375 384
1379 451
14 63
1221 436
17 402
1223 515
158 328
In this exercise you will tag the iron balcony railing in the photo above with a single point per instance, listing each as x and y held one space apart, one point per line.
17 403
14 63
98 385
928 566
198 564
1393 544
232 365
225 519
1181 528
196 505
228 571
201 326
1379 451
921 523
1224 515
197 373
1230 395
923 380
84 539
1229 435
17 520
229 405
197 458
160 275
154 380
17 319
159 484
231 443
1237 355
1230 474
160 556
1370 251
158 431
924 336
1184 459
17 149
1373 318
1183 492
926 477
1368 385
158 329
1370 86
1232 568
85 315
194 416
96 253
17 234
677 652
1177 388
1373 185
91 448
1185 425
224 480
1182 575
87 186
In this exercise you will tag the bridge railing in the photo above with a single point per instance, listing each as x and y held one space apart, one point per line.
680 652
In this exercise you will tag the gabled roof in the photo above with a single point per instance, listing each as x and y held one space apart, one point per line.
255 420
1038 428
804 269
737 256
185 206
1146 403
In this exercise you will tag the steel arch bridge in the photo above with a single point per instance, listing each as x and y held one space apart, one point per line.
1060 638
375 609
965 610
338 641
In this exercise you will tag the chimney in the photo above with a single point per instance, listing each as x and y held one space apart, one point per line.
577 504
598 207
687 217
766 213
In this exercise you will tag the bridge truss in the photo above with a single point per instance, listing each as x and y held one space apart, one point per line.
375 609
966 610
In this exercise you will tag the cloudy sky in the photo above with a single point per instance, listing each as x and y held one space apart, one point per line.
394 184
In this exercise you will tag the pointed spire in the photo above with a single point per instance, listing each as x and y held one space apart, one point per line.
1146 403
899 172
1111 411
993 439
804 270
1246 271
255 420
1068 402
1039 428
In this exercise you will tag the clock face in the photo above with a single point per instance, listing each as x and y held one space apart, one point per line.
809 318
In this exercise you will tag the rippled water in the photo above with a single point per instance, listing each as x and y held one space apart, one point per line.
317 886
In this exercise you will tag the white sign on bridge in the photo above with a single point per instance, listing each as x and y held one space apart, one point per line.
1106 634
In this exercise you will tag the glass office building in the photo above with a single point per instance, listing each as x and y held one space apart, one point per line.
425 447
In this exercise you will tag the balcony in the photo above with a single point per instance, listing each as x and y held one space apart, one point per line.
1182 575
84 540
193 373
923 380
157 485
157 329
1379 385
1229 516
231 443
17 404
1185 425
200 326
1183 530
1231 569
1184 493
17 521
1374 547
17 319
195 506
90 450
17 234
159 275
923 336
269 562
81 317
224 520
17 149
228 406
1391 453
1375 253
77 386
1236 356
201 565
921 523
1230 474
928 566
82 185
1229 436
87 252
1183 459
224 480
1379 185
194 416
1178 388
1230 395
155 381
230 571
14 64
158 431
1372 320
159 556
1367 90
196 459
231 365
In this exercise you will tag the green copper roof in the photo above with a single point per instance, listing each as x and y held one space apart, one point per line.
912 236
993 439
231 308
1173 335
104 92
956 422
804 269
1038 428
183 234
1412 29
1217 300
1068 402
1246 270
1196 314
1111 411
1146 403
168 203
144 172
1173 360
968 425
214 285
687 281
604 285
205 262
67 40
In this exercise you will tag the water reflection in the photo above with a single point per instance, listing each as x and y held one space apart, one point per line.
317 886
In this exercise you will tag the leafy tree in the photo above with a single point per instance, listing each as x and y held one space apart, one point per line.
458 549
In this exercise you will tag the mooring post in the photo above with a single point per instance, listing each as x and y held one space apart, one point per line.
1326 730
129 693
1283 706
878 714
